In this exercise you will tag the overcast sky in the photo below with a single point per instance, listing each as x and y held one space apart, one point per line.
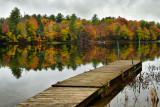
129 9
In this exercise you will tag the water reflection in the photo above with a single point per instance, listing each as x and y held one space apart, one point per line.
141 91
59 56
20 67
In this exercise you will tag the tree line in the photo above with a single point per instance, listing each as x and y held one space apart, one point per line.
37 28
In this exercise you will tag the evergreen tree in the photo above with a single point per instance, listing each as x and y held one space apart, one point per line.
45 16
15 17
1 22
67 17
158 25
116 32
95 19
59 17
0 28
72 22
26 16
72 27
52 17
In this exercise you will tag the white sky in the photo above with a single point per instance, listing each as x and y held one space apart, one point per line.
129 9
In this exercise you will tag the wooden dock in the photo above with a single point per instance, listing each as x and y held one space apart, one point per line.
84 88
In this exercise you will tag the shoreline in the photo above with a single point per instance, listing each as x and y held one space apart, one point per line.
89 42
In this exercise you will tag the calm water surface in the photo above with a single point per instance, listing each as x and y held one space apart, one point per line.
26 71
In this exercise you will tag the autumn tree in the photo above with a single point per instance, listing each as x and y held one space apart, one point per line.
109 31
91 32
146 34
139 33
49 33
100 31
109 21
64 33
125 33
21 31
122 21
5 27
32 27
1 22
155 32
9 36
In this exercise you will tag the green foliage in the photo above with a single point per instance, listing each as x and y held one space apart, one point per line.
14 18
118 27
124 33
67 17
59 17
58 28
139 33
146 35
95 19
72 23
52 17
0 29
64 33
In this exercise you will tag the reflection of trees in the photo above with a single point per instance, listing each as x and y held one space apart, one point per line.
71 56
95 63
16 72
72 61
14 66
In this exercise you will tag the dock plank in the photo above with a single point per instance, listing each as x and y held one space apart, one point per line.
80 90
59 97
98 76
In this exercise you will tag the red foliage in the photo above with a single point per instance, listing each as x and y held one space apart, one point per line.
32 19
101 30
90 31
110 32
6 59
5 27
122 21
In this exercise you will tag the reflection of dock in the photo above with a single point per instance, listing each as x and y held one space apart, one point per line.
84 88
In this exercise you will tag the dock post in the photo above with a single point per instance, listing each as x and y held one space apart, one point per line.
118 48
140 49
106 61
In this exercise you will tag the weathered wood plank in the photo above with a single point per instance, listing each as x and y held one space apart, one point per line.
98 76
82 89
59 97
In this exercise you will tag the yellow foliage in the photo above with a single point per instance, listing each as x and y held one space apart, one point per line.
49 32
64 33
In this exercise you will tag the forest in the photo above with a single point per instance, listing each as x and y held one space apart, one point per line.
43 28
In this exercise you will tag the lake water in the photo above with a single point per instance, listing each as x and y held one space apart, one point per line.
26 71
